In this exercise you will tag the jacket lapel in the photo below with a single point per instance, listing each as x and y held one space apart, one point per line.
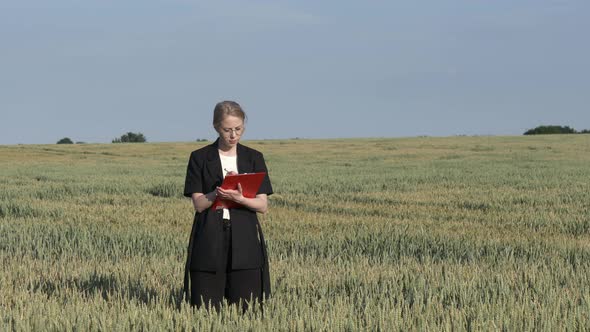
214 163
244 160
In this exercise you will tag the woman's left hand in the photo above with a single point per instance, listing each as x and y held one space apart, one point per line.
230 194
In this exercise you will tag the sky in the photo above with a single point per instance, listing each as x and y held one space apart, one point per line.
92 70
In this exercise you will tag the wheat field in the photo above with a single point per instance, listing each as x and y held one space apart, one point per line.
427 234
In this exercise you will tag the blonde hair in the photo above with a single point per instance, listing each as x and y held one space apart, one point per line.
226 108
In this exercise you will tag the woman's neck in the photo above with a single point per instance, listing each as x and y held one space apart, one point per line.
227 150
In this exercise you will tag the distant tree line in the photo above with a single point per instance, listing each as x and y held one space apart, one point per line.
131 138
125 138
547 130
67 140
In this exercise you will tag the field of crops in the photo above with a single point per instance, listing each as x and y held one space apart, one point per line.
458 233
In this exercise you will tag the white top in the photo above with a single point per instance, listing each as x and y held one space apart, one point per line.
228 164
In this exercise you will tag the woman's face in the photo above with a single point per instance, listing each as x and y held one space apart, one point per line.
231 130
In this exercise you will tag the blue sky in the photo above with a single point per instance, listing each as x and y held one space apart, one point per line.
92 70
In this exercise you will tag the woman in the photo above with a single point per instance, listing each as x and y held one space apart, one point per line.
227 253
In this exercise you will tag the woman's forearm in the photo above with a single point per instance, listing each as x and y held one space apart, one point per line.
202 202
256 204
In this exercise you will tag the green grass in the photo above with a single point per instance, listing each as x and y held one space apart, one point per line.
458 233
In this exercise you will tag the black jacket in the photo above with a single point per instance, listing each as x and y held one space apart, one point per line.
203 175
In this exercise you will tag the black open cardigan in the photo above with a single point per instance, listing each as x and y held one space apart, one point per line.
203 175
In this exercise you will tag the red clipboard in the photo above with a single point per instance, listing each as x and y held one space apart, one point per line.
250 184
